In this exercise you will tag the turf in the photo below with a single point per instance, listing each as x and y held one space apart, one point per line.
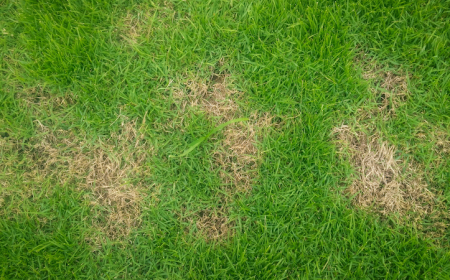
74 73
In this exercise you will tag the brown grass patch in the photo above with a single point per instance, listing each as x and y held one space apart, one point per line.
142 21
237 158
8 162
38 99
213 224
430 133
111 171
389 89
383 183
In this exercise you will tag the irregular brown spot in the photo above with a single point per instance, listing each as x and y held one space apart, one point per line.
132 28
427 132
237 158
382 182
38 99
111 170
213 224
390 90
143 20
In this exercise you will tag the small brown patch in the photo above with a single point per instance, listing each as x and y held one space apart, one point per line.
237 159
132 28
213 224
384 183
443 142
390 89
143 20
38 99
436 135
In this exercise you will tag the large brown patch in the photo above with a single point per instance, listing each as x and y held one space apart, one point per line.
109 170
384 183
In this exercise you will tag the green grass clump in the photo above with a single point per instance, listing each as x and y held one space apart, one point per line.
90 69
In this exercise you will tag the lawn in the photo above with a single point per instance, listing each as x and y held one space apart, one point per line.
224 139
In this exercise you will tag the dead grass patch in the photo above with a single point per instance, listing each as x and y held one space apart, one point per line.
142 21
111 171
38 99
383 183
237 158
212 224
389 89
8 162
429 133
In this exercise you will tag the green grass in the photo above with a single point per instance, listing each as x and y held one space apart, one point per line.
291 59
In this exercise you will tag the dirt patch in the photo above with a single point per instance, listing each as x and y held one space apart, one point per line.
237 159
384 183
111 170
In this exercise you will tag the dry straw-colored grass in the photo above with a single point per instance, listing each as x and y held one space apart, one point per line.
389 89
143 20
388 185
237 158
108 170
430 133
383 183
213 224
38 99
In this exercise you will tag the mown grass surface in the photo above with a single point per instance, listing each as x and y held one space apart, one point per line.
89 67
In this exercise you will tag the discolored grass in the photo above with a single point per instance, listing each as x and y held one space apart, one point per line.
383 182
236 158
108 171
100 100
